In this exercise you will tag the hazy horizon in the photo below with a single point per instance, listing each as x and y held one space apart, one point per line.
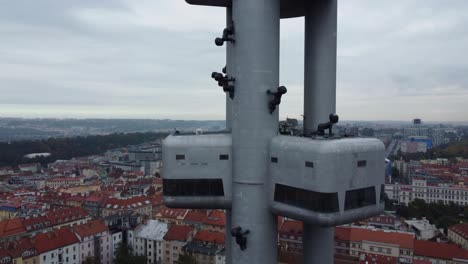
222 120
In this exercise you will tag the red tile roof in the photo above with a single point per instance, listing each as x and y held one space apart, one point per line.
439 250
216 218
178 232
4 254
36 222
91 228
59 238
127 203
11 227
210 237
291 227
77 198
404 240
156 199
460 229
378 259
97 199
171 213
343 234
20 248
197 217
419 261
65 215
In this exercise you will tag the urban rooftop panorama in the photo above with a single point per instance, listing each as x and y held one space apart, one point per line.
329 132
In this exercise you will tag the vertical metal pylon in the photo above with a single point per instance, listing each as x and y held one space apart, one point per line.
256 70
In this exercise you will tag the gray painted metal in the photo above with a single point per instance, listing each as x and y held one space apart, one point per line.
229 67
319 63
318 244
289 8
248 177
256 71
335 170
319 101
201 162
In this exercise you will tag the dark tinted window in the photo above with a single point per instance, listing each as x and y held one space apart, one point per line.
309 164
310 200
274 160
179 157
193 187
361 163
224 157
360 198
382 193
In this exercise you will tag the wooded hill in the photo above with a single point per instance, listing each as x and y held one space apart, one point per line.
12 154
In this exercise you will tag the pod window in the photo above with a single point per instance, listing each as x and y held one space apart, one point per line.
223 157
180 157
309 164
362 163
382 193
274 160
193 187
310 200
360 198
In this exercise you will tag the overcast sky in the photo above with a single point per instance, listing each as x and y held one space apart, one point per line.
152 59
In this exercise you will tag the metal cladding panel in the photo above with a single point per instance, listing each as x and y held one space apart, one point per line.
195 159
289 8
327 167
326 219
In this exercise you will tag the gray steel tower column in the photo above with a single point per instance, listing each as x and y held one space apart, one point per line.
318 244
256 70
229 70
319 102
320 62
229 67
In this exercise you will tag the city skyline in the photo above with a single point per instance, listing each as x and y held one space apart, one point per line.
125 59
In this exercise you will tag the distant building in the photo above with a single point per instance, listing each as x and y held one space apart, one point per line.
63 181
127 166
438 136
290 235
374 246
205 246
20 251
171 215
383 221
439 252
147 240
137 155
31 167
95 242
422 228
175 239
9 210
6 171
416 144
139 204
458 234
402 167
419 189
59 246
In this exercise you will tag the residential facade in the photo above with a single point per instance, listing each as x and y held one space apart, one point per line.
458 234
175 239
58 246
419 189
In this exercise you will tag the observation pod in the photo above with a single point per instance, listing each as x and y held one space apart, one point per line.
197 171
326 181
